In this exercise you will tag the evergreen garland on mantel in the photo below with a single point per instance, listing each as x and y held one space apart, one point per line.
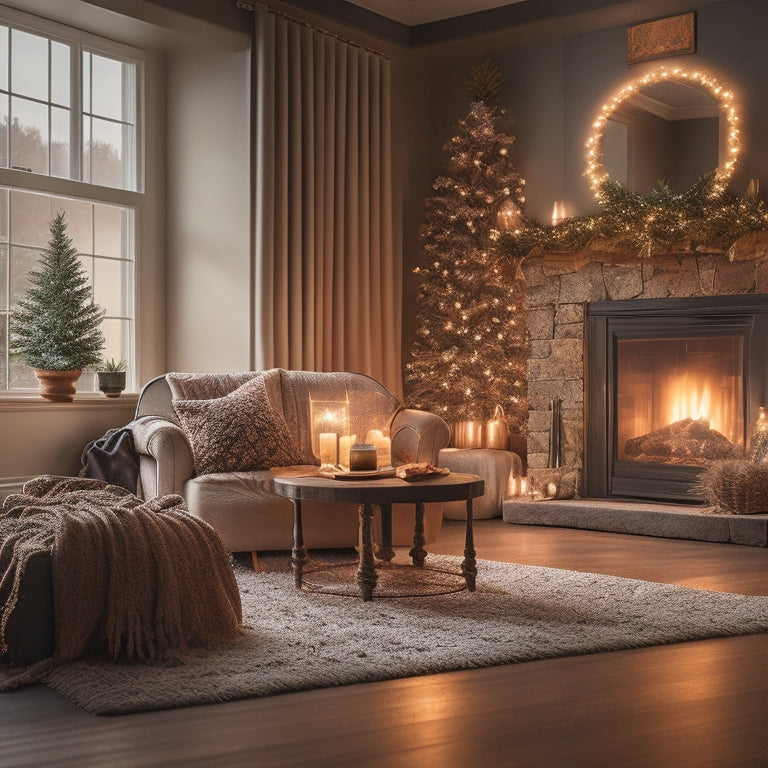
650 223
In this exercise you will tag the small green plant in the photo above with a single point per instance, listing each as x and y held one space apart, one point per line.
113 366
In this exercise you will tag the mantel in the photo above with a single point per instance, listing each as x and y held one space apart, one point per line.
750 247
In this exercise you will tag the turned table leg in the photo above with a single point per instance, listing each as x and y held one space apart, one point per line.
385 551
469 565
366 572
418 553
299 552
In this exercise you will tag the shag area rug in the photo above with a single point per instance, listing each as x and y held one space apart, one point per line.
300 640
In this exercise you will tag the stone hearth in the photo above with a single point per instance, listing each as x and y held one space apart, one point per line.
558 287
674 521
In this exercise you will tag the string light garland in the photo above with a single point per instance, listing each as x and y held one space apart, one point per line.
706 214
469 351
722 95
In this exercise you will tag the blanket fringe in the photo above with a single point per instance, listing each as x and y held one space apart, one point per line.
28 675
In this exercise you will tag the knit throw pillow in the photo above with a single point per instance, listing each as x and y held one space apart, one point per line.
239 432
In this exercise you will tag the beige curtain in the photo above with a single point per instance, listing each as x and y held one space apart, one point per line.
327 278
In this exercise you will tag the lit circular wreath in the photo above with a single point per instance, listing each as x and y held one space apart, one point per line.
595 167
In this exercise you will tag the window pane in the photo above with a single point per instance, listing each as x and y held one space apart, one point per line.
79 222
29 136
4 123
3 350
118 335
29 65
30 217
106 153
86 262
109 281
4 58
60 142
107 231
85 155
4 303
60 76
21 376
23 261
4 202
86 64
107 87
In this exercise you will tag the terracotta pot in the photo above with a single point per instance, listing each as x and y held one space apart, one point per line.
57 386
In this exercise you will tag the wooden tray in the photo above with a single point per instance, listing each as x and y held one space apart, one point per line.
365 474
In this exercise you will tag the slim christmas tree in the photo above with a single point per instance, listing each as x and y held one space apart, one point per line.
470 349
56 326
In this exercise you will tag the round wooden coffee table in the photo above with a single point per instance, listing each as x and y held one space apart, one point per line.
383 493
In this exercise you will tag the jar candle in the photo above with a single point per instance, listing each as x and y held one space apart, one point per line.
362 457
328 448
381 442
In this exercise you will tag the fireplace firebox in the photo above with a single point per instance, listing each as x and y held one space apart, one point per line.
671 384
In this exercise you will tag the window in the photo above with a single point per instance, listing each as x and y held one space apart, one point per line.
70 132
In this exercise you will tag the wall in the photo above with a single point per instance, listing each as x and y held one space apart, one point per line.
558 73
209 251
48 438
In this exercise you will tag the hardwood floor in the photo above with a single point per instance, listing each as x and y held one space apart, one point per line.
693 704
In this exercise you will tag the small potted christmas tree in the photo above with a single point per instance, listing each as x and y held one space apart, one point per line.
56 327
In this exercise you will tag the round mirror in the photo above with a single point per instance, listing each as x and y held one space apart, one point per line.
669 125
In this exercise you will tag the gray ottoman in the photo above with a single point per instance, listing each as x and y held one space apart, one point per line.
493 466
30 630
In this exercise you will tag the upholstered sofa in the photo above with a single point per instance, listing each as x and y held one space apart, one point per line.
191 432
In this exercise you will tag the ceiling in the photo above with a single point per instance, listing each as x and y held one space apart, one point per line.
414 12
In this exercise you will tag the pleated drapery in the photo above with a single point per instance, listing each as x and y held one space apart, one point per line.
327 278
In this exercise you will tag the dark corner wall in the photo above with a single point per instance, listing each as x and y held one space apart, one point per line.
557 74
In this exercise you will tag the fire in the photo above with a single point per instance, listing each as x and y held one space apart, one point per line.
692 398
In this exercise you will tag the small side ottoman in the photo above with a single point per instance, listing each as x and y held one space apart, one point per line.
493 466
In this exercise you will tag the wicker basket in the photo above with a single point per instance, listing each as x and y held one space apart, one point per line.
734 487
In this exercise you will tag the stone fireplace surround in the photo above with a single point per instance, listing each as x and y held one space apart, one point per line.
558 287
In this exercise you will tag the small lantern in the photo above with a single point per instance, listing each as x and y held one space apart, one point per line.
496 431
329 420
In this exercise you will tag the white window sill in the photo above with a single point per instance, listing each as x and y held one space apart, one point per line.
84 401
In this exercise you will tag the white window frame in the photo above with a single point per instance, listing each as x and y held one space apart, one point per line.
74 188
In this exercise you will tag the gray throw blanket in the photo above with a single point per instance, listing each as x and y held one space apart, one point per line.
112 458
132 580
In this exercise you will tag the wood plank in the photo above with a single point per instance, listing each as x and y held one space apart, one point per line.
701 703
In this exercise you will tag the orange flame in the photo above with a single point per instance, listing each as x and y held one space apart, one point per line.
691 398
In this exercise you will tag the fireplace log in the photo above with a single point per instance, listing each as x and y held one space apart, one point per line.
689 441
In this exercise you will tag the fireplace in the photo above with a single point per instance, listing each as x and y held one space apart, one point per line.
671 384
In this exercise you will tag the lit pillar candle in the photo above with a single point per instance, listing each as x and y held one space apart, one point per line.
383 447
558 212
328 448
345 443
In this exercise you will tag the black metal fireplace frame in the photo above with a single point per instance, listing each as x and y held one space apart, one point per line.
605 322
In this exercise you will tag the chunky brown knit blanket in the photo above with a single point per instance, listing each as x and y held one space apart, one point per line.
132 580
